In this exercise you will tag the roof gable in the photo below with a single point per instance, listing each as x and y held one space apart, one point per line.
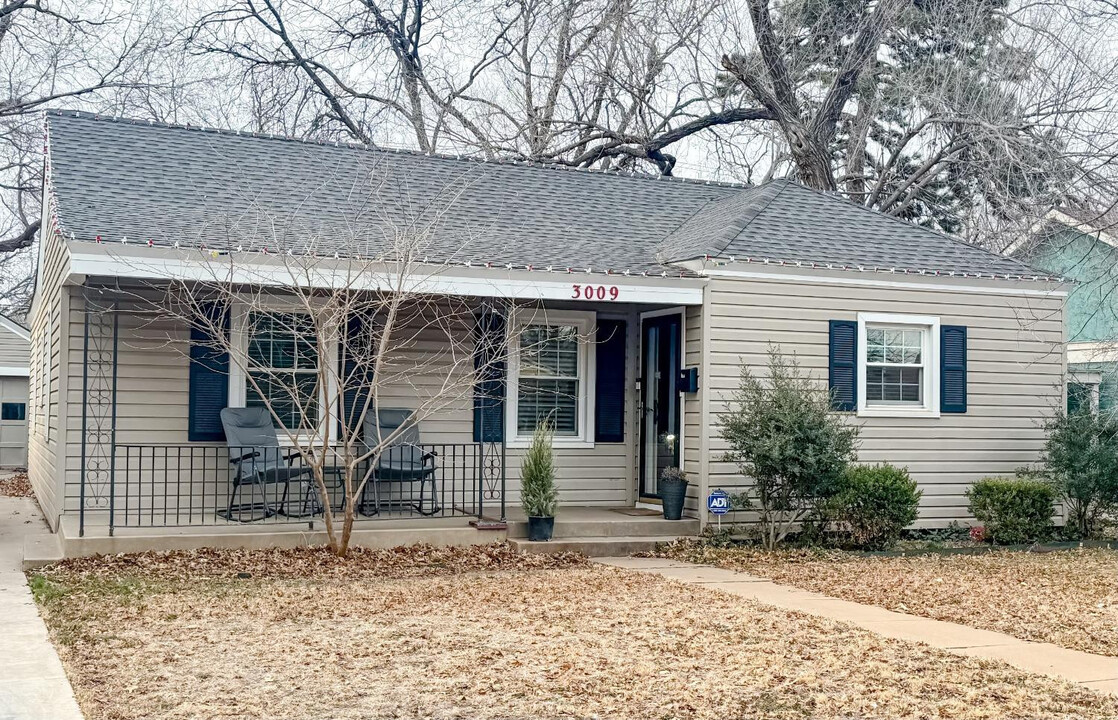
787 222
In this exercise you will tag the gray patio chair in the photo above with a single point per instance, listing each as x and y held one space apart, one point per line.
403 461
260 461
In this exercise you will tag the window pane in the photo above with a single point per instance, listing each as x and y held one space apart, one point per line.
282 340
874 390
894 385
281 349
553 400
894 346
13 411
1079 397
549 351
893 375
292 396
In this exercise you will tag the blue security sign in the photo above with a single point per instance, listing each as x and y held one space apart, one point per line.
718 502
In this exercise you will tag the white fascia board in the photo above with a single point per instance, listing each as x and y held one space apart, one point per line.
897 281
1068 221
14 371
1092 352
144 263
9 324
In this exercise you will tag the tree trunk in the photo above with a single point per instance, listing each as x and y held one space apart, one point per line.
347 526
811 156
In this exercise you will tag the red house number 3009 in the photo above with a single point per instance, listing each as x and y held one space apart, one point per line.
594 292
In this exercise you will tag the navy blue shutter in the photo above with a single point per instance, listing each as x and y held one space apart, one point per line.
209 377
952 368
491 375
609 387
356 380
842 376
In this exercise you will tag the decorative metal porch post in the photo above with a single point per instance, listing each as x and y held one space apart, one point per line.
494 451
99 381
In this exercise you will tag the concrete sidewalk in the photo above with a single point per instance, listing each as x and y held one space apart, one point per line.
1097 672
33 685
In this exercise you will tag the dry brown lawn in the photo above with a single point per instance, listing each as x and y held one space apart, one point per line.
486 634
1068 598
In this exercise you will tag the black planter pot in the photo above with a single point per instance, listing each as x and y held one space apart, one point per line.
540 528
672 493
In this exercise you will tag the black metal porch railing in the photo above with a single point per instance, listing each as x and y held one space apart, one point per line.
199 485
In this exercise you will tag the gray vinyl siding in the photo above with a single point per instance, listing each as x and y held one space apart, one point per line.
46 409
153 393
1015 375
693 462
15 350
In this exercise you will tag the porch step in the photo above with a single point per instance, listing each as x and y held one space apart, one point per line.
40 550
621 526
612 546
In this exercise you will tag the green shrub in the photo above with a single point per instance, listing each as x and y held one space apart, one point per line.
784 437
538 495
1081 459
875 503
1013 510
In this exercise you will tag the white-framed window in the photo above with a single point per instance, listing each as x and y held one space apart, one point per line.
551 375
1083 392
277 349
898 365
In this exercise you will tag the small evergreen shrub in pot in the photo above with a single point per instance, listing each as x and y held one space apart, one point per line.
538 495
875 503
1013 510
673 491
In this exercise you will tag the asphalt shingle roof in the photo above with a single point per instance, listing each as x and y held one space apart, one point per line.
785 221
117 178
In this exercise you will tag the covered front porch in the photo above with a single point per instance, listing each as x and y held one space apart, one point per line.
138 477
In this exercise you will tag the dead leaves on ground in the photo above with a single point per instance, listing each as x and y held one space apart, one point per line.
1068 598
483 633
16 485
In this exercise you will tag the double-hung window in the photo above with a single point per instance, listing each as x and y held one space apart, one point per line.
282 367
898 365
550 374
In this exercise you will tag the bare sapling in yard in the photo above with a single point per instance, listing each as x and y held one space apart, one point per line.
787 442
395 344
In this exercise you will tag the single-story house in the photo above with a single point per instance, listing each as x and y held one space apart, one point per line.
15 343
647 295
1081 243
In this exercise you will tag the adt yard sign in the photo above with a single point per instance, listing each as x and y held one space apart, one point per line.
718 502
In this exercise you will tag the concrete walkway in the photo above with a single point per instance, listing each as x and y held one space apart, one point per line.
1097 672
33 685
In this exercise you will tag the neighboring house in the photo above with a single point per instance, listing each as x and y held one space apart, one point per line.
946 355
1082 245
15 342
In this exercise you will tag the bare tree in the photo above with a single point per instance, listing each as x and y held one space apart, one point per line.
578 82
963 116
54 53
